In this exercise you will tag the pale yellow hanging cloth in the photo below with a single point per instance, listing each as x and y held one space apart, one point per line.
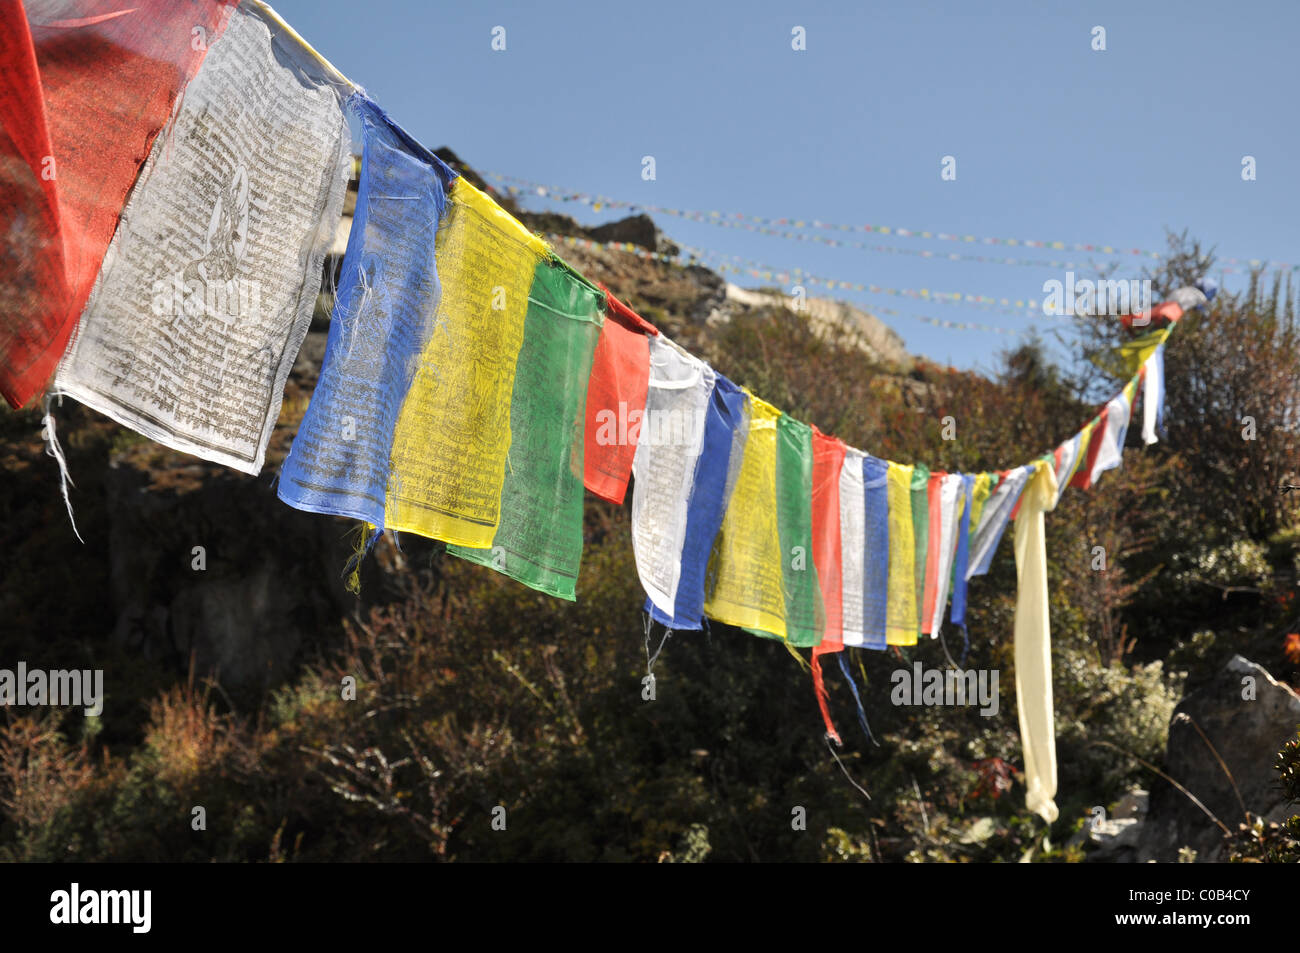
1033 648
453 432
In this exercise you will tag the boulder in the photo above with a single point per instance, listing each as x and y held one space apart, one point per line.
829 318
1247 716
637 230
1115 839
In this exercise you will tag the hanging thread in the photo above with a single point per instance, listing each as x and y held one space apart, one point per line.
862 715
53 449
863 790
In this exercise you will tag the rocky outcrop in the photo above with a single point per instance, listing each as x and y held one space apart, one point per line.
832 318
1116 839
637 230
1247 716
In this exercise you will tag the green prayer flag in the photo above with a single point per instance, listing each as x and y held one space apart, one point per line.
920 531
805 614
539 539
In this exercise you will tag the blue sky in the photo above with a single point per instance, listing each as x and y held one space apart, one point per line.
1052 140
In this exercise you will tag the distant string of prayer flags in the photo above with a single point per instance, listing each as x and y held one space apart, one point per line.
787 228
631 249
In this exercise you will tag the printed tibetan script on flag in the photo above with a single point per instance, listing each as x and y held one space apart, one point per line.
207 288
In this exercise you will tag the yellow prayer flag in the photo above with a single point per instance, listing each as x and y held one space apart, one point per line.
979 496
1136 351
453 432
901 596
745 566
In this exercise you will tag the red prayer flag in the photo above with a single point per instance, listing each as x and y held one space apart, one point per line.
930 592
81 103
1166 312
616 396
828 461
1083 476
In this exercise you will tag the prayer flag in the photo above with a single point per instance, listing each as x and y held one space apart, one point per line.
209 284
961 561
902 621
805 614
829 455
1110 445
853 546
453 431
993 520
885 491
951 503
667 452
920 533
1033 646
721 452
616 399
539 538
384 310
87 88
745 567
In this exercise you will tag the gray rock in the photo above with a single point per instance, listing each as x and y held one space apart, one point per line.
1115 839
1115 835
636 229
1247 733
1133 804
829 318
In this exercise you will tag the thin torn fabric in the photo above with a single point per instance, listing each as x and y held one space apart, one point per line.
539 539
82 102
877 560
720 455
453 432
993 520
1033 645
902 621
384 310
667 452
209 285
853 546
745 579
805 614
616 398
